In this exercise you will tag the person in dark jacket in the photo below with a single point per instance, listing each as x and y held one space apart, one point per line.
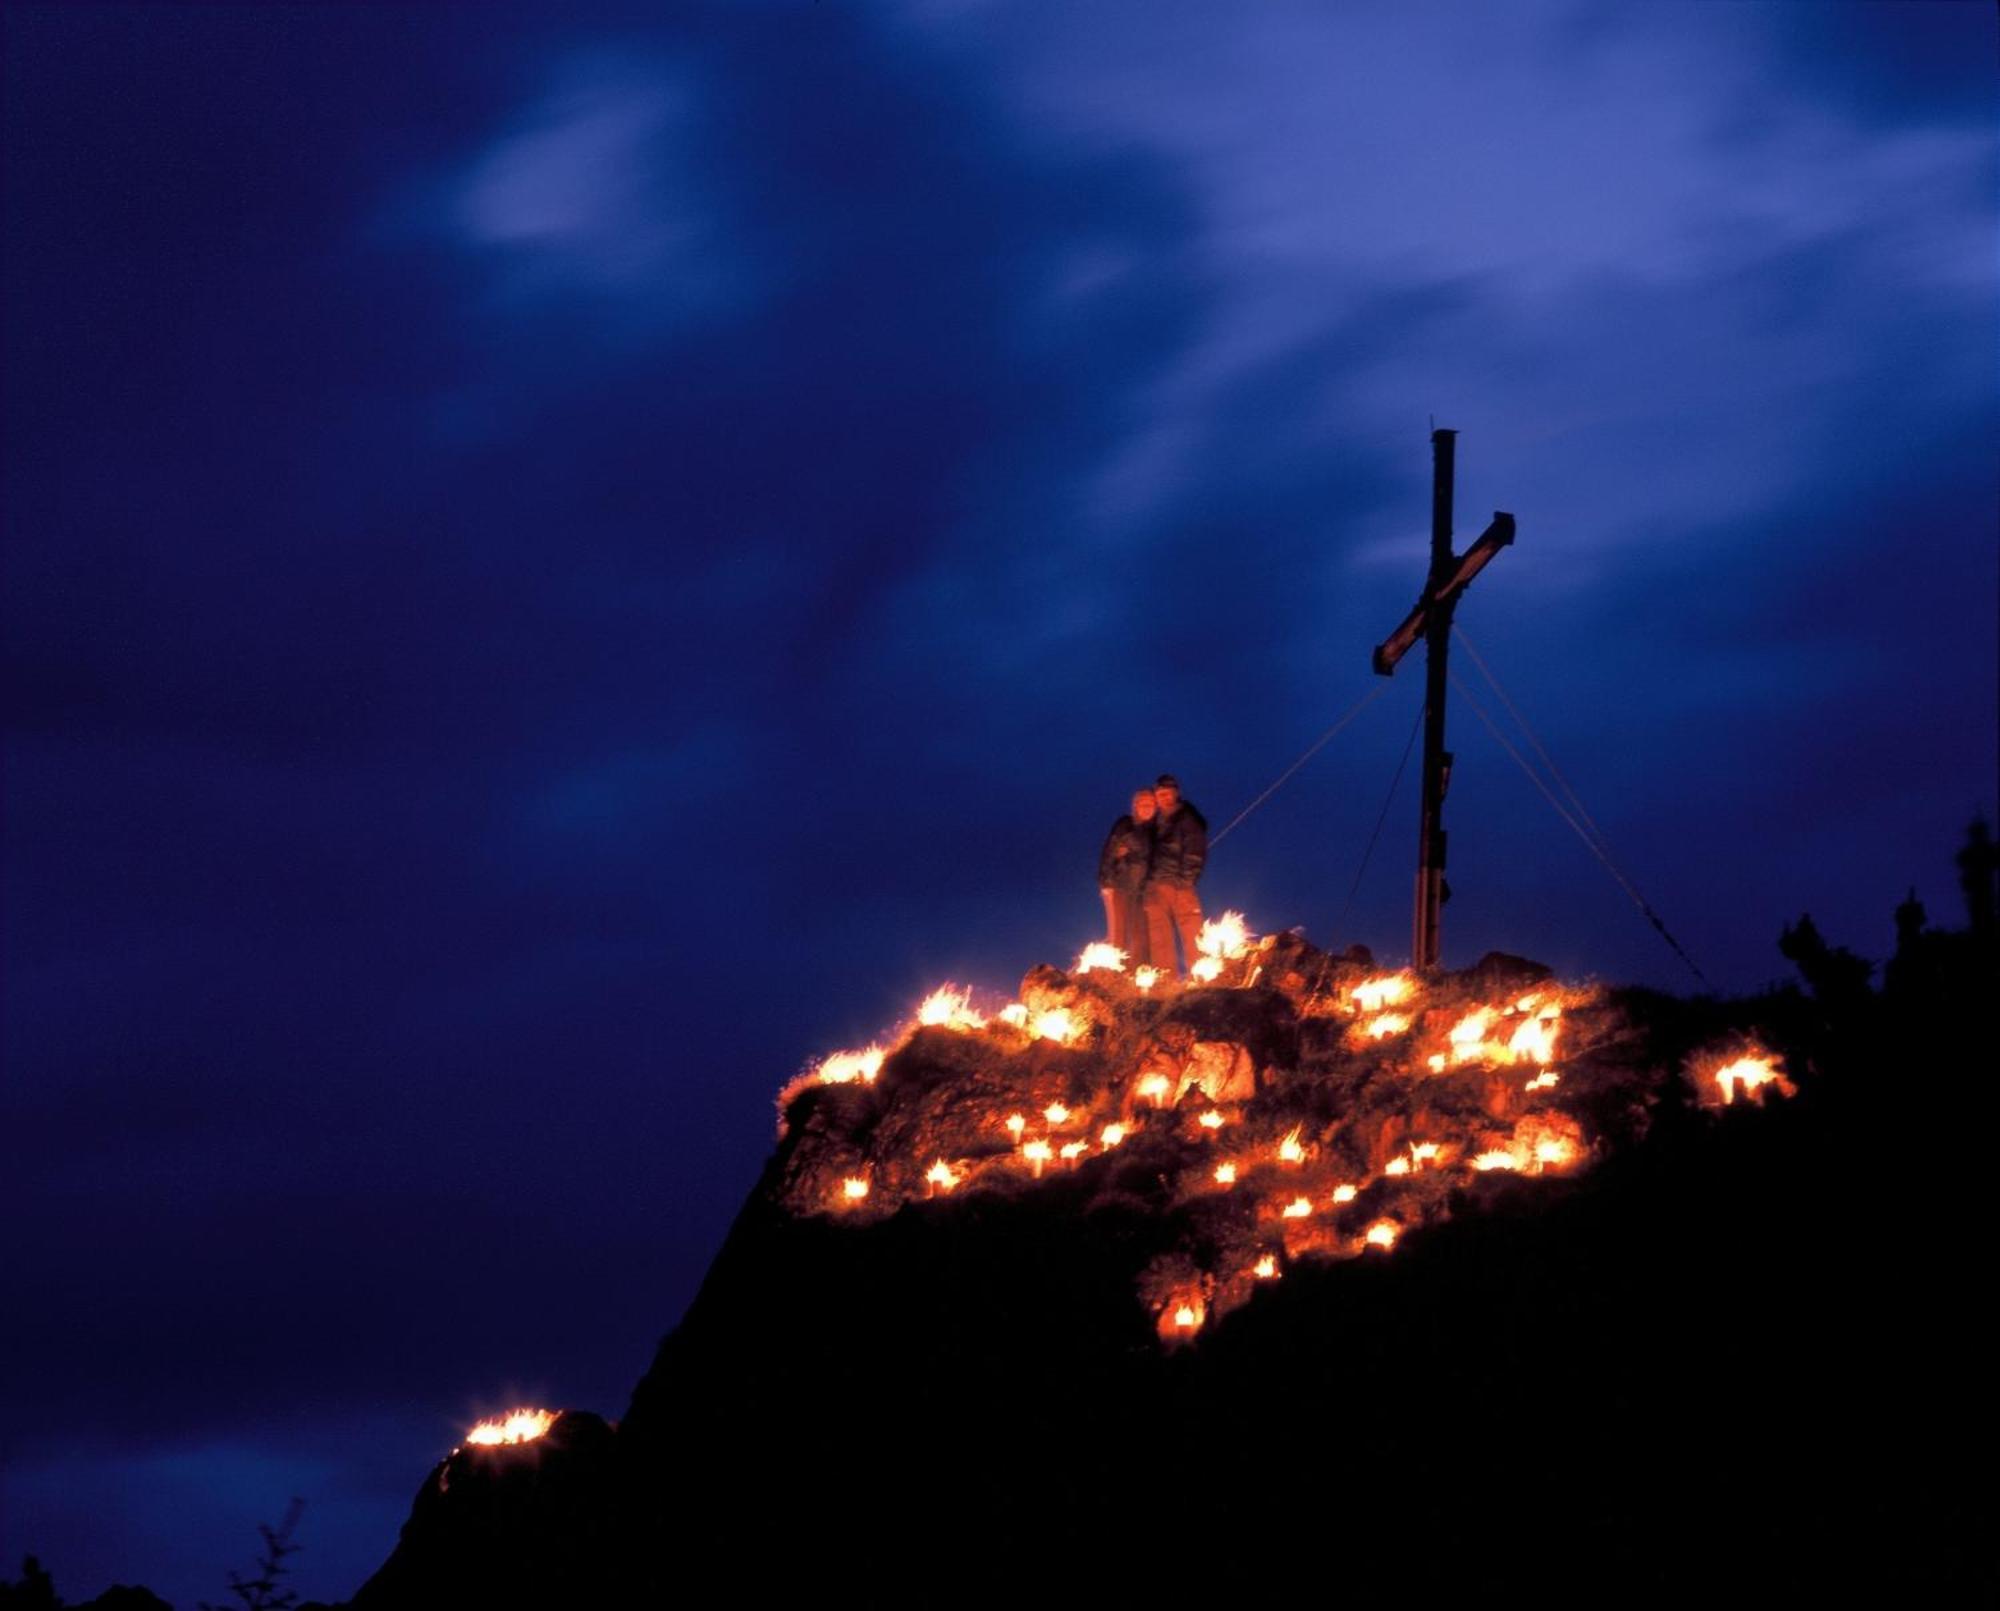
1180 851
1122 866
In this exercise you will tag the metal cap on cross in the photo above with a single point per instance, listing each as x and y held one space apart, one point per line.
1450 575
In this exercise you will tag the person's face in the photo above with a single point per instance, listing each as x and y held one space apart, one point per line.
1166 797
1143 805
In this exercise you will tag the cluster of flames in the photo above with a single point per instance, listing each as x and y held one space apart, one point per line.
1406 1095
516 1426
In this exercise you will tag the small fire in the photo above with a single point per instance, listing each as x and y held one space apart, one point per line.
1146 978
942 1176
1016 1123
1496 1160
1535 1039
1225 937
1014 1013
1298 1208
1289 1150
517 1426
1425 1152
1750 1074
1206 969
1100 954
1553 1152
1383 1234
1346 1194
1075 1149
1187 1317
1225 1174
1372 995
1058 1024
1038 1153
1266 1268
951 1008
1111 1135
844 1068
1155 1087
854 1188
1211 1120
1468 1035
1547 1080
1397 1166
1056 1113
1390 1023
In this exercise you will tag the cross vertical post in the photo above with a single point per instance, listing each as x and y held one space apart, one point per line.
1450 574
1437 759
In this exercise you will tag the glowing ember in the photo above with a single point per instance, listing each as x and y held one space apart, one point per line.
1468 1035
1056 1113
951 1008
1496 1160
1289 1150
1749 1074
854 1188
1390 1023
518 1426
1111 1134
1146 978
1225 1174
1206 969
1016 1123
1211 1120
1266 1268
1100 954
1223 937
942 1176
1346 1194
844 1068
1298 1208
1372 995
1155 1087
1383 1233
1058 1024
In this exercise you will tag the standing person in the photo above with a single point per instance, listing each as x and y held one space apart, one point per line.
1180 851
1121 874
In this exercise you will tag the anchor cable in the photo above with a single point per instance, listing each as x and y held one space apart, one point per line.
1388 800
1595 848
1316 746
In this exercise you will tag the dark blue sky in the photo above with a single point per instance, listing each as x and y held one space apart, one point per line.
560 562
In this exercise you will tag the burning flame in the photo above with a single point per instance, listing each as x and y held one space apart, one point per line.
854 1188
1016 1123
1266 1268
1206 969
1468 1035
844 1068
1298 1208
1111 1135
1547 1080
942 1176
1397 1166
1146 978
1390 1023
1346 1194
517 1426
1383 1234
1372 995
1289 1150
950 1007
1750 1073
1014 1013
1058 1024
1225 1174
1225 937
1187 1317
1038 1153
1100 954
1496 1160
1211 1120
1075 1149
1155 1086
1056 1113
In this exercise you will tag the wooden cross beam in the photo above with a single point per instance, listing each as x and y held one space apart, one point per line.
1450 575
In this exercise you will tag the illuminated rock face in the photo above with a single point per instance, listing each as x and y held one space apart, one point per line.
1625 1295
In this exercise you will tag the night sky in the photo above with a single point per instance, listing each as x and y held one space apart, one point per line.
559 563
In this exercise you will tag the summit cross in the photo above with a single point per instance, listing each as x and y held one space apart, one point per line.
1450 575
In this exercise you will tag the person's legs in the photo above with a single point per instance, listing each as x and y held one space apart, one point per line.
1159 927
1132 924
1186 910
1114 916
